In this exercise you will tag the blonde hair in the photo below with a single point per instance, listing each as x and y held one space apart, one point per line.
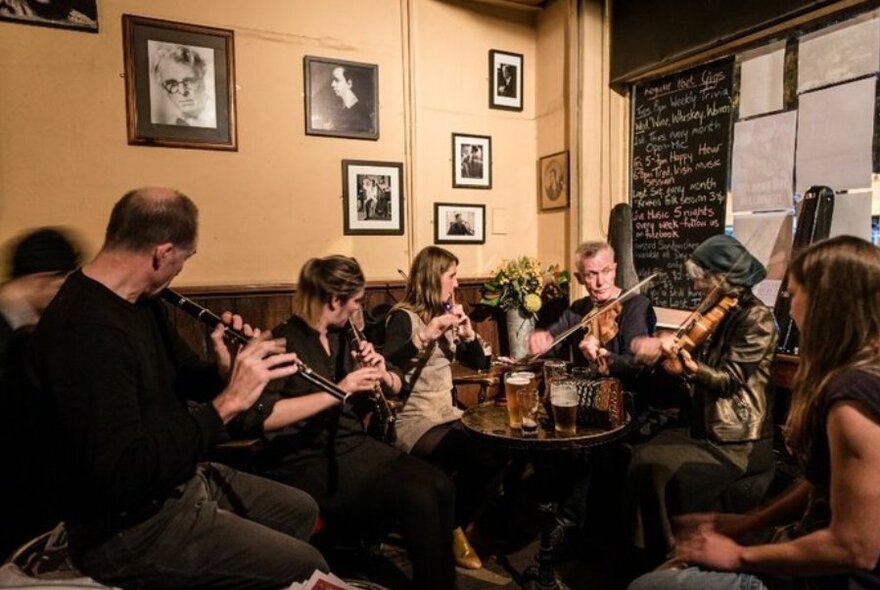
423 290
321 279
840 278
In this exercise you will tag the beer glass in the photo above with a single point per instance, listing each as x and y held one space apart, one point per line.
553 369
564 403
513 384
528 403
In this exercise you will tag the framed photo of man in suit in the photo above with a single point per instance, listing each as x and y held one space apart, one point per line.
471 161
457 223
505 80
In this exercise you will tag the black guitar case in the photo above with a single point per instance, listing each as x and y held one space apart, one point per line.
813 225
620 227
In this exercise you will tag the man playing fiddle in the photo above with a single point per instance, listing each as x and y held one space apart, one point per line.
727 378
605 344
595 271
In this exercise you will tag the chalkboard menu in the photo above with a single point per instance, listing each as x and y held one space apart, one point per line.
680 162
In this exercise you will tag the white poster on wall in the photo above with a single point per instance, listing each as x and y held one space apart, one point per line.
761 74
835 136
841 52
768 236
763 162
852 215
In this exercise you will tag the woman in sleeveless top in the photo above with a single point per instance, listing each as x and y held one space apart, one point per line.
424 334
833 427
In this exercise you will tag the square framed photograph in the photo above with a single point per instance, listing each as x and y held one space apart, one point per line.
179 84
471 161
505 80
553 181
79 15
457 223
372 198
342 98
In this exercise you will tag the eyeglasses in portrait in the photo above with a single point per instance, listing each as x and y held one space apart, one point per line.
180 84
341 98
79 15
459 223
372 197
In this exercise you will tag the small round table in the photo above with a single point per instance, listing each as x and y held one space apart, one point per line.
489 421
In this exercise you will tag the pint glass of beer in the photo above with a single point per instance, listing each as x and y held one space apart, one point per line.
564 402
513 384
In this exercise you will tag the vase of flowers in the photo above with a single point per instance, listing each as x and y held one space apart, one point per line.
520 287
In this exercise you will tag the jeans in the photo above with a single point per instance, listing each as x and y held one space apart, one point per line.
693 578
221 529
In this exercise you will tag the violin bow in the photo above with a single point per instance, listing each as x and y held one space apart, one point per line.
595 312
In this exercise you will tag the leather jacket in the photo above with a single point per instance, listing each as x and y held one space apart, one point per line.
732 397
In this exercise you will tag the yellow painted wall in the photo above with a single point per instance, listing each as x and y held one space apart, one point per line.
266 208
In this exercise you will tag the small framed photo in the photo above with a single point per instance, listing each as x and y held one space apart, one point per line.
471 161
342 98
505 80
179 84
372 198
79 15
553 181
455 223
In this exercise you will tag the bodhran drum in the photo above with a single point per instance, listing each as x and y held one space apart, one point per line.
600 403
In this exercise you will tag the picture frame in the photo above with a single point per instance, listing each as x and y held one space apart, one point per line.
80 15
179 84
459 223
372 198
505 80
471 161
553 175
341 98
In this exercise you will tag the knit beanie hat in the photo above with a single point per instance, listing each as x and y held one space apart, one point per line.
724 255
44 250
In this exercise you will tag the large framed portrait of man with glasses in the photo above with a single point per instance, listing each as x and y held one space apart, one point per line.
180 84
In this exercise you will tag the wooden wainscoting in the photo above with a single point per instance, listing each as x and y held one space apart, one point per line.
266 306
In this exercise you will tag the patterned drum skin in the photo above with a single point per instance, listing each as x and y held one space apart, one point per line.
600 403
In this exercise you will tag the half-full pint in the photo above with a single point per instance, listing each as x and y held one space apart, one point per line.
564 403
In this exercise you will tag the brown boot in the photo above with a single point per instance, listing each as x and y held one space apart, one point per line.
465 556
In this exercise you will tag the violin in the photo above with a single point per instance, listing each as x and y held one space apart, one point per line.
604 328
695 331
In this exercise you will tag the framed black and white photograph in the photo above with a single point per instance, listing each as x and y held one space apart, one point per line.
180 84
471 161
505 80
553 181
79 15
372 198
342 98
457 223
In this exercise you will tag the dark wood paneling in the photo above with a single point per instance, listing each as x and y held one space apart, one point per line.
268 306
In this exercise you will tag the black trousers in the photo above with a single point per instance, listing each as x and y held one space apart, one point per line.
373 485
470 463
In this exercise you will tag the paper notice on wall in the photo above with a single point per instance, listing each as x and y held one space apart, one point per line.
835 136
763 162
852 215
768 236
761 74
841 52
